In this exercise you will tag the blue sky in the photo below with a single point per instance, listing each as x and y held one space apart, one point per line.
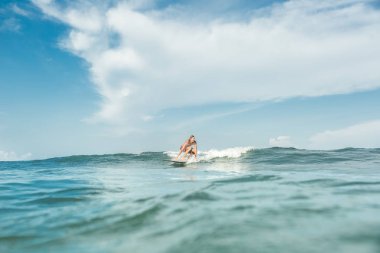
129 76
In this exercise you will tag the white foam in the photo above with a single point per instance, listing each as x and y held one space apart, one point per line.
207 155
235 152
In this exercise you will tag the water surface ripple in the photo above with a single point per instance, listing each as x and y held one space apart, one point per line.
263 200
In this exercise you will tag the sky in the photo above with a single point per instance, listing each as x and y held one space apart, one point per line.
127 76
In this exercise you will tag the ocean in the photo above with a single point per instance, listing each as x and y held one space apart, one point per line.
234 200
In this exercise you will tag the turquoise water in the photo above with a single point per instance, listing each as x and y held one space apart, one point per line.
235 200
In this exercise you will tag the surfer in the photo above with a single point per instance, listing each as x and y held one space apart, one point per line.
189 148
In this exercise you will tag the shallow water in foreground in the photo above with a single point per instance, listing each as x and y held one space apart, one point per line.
264 200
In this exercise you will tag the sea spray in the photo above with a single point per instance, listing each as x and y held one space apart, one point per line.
207 155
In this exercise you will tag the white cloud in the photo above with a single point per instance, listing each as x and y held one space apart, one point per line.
144 62
363 135
20 11
10 24
12 156
280 141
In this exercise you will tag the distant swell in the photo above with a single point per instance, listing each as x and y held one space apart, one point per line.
265 155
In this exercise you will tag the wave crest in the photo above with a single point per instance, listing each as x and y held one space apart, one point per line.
207 155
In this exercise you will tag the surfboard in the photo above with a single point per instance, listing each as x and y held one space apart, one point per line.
175 161
178 161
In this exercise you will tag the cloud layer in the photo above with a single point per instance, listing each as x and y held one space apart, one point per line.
281 141
363 135
145 62
12 156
